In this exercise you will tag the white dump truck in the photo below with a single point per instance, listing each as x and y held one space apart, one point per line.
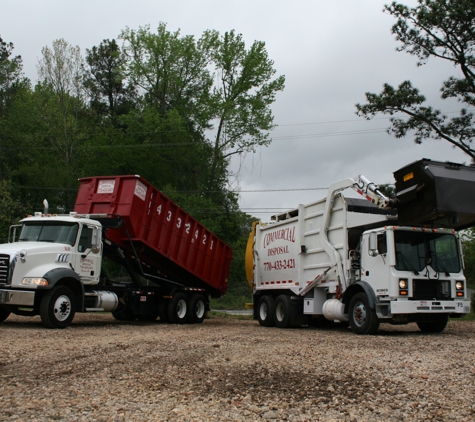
53 264
368 261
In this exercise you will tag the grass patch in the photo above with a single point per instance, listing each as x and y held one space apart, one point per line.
227 315
230 302
237 296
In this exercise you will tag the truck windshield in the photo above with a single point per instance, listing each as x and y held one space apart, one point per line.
49 231
415 251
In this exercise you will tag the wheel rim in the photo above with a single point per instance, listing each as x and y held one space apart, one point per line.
359 314
62 308
263 311
200 309
181 308
279 312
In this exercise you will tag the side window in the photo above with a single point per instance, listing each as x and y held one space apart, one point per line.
85 241
382 245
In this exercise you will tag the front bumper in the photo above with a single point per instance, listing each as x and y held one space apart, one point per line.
430 307
17 297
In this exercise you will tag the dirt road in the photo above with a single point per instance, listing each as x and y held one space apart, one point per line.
100 369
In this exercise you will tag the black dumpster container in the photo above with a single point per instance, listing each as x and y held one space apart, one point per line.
436 194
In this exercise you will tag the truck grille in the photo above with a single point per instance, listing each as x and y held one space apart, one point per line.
430 289
4 267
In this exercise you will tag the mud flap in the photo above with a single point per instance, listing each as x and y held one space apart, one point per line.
297 317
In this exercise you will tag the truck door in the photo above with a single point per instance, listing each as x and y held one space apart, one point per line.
375 262
88 258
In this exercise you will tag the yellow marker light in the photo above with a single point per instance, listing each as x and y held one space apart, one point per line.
408 176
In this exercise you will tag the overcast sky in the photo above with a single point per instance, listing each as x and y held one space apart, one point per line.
330 51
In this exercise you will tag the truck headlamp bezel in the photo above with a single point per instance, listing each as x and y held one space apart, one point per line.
34 281
403 284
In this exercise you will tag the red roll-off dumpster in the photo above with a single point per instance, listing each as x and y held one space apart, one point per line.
163 234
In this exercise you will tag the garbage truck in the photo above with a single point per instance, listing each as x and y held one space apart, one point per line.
55 265
366 261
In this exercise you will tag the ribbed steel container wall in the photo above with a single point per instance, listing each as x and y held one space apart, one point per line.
436 194
179 244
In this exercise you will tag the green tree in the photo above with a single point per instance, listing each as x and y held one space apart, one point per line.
11 76
60 73
105 81
443 29
15 119
170 70
64 119
11 210
166 128
241 98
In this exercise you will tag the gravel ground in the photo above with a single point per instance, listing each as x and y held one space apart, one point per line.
226 369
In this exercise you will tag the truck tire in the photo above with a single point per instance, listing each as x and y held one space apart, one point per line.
433 326
265 311
197 309
178 308
57 308
362 318
282 311
4 314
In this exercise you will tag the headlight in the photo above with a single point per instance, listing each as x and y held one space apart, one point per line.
403 284
459 285
34 281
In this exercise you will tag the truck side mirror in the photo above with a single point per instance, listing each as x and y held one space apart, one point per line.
373 244
96 245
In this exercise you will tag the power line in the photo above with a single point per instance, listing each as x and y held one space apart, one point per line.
178 144
361 119
319 135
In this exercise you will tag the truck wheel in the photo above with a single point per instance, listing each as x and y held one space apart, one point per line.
282 311
57 307
362 318
197 309
265 311
163 310
433 326
4 314
178 308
